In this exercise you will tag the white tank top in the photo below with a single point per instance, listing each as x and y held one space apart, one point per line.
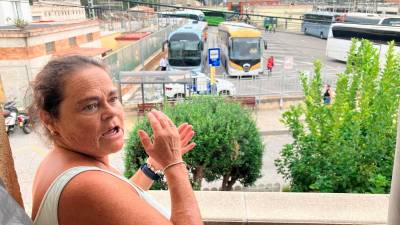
48 210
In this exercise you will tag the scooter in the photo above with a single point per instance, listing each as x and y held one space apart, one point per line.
13 119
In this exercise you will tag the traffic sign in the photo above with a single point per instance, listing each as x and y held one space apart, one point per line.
214 56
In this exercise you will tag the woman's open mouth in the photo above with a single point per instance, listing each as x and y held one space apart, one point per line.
113 132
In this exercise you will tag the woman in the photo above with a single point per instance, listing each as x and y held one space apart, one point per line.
327 97
270 64
78 106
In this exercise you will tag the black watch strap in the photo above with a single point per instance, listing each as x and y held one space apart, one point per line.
149 172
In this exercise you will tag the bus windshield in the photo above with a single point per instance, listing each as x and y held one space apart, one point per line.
184 53
245 48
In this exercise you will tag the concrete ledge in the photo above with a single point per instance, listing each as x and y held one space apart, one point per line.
280 208
274 102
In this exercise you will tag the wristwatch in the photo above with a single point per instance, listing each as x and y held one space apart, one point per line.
148 170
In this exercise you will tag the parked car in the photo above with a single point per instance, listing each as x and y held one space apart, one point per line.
201 84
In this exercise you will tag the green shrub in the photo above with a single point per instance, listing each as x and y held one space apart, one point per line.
347 146
228 143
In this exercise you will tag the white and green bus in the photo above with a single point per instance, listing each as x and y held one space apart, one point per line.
340 35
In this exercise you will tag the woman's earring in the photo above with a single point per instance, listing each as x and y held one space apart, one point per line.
53 133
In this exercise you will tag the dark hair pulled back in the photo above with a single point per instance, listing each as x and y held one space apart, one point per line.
48 86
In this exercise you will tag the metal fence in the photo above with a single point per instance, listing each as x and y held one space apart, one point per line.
135 54
112 20
276 86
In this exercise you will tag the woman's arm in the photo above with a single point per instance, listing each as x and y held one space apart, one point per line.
166 150
186 134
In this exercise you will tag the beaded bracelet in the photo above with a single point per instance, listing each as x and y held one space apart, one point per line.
173 164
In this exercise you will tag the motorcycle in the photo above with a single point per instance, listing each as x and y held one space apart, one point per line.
15 119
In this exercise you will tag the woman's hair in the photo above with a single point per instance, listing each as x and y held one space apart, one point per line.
48 86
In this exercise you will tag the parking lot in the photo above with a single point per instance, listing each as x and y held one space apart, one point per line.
303 49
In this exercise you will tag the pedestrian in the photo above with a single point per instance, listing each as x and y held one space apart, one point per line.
270 27
328 94
163 63
270 65
75 100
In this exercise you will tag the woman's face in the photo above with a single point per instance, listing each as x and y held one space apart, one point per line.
90 115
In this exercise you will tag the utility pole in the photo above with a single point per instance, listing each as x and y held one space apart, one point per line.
7 169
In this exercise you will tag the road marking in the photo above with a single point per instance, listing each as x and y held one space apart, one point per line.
33 148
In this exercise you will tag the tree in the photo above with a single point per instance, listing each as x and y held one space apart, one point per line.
7 169
347 146
229 146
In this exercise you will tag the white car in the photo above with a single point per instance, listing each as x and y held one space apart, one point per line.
201 84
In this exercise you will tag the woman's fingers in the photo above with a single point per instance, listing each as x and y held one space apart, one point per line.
187 148
169 121
154 123
182 127
161 118
187 138
145 139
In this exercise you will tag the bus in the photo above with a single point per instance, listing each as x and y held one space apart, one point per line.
186 45
215 17
361 18
188 14
371 19
318 23
340 35
242 48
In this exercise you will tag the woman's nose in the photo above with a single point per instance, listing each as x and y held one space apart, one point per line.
109 111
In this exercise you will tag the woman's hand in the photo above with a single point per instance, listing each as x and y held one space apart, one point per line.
186 134
166 147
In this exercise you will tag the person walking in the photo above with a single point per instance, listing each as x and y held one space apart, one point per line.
163 63
270 65
327 97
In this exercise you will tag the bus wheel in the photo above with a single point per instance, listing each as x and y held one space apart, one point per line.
321 35
179 96
224 92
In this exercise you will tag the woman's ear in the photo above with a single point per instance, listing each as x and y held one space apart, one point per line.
47 121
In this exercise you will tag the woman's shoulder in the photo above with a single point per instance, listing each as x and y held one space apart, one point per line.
52 168
101 198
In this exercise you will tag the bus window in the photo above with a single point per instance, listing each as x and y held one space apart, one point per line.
391 22
376 36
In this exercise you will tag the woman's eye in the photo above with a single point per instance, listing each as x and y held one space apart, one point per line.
91 107
114 99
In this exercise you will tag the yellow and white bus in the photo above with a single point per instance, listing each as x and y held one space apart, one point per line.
242 49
